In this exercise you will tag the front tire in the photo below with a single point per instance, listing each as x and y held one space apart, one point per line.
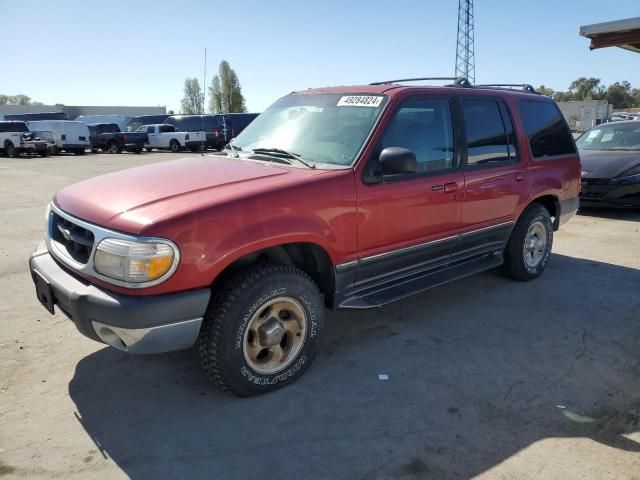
11 150
529 248
261 330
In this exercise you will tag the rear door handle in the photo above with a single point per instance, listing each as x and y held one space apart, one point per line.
451 187
519 177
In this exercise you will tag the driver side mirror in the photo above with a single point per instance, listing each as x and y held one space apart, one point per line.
397 160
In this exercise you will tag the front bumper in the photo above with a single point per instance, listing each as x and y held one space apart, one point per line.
34 147
609 192
135 324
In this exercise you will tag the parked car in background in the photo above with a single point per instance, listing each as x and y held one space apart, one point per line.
345 197
109 138
219 129
117 119
610 156
15 139
68 136
136 122
27 117
165 137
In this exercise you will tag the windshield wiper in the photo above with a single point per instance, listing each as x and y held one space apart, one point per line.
294 156
234 150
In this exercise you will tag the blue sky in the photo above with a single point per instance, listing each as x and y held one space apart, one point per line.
139 53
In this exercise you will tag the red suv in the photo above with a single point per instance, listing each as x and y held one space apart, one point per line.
346 197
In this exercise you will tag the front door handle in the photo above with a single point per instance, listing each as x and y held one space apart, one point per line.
519 177
451 187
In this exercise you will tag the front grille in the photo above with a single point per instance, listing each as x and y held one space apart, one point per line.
75 240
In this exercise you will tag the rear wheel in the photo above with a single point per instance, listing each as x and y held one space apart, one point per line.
148 149
138 150
529 248
174 145
261 330
55 150
114 148
79 151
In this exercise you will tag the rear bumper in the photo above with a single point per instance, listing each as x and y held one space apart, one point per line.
568 209
136 324
132 147
75 146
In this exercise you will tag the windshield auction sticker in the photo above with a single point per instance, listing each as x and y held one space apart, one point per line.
359 101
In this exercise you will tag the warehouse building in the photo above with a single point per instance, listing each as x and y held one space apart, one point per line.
73 111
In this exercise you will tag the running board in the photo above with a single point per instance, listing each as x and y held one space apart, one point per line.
381 294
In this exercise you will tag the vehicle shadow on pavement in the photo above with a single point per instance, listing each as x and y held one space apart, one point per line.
478 371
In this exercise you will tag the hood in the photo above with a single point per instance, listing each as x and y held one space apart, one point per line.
132 199
607 163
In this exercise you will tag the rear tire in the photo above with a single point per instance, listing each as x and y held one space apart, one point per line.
79 151
529 248
55 150
138 150
149 149
261 330
174 145
114 148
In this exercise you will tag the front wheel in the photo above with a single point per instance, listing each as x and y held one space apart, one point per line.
529 248
11 150
261 330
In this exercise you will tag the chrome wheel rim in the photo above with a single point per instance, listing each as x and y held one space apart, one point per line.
535 244
275 335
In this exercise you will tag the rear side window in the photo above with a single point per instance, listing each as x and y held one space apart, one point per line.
546 129
489 133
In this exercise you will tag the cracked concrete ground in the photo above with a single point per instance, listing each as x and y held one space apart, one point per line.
488 378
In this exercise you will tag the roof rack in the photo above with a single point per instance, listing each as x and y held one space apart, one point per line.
457 81
525 87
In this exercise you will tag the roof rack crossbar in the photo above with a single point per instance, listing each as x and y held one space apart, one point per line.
457 81
525 87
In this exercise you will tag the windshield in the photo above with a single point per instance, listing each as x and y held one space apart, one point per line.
324 128
618 136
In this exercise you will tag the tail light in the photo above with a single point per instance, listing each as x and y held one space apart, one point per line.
63 137
186 137
126 138
216 132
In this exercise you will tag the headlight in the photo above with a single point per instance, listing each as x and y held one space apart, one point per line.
135 262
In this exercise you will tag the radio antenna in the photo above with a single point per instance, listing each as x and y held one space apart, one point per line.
204 96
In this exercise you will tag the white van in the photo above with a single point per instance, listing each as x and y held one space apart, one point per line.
72 137
118 119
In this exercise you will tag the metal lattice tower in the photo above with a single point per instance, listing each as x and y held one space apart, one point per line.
465 59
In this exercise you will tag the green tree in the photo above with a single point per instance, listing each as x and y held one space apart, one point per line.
192 102
587 89
4 99
547 92
620 95
563 96
225 93
21 100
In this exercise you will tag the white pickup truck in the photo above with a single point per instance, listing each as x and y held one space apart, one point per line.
163 136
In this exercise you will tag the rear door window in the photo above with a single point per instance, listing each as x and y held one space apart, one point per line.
546 129
489 135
